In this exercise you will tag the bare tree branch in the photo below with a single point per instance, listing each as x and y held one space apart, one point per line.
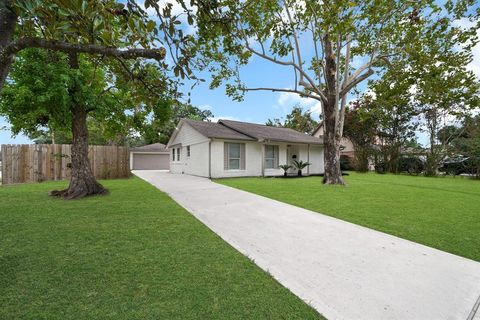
356 81
310 85
301 93
337 76
344 97
295 39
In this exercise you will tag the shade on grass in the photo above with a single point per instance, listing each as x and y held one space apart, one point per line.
443 213
134 254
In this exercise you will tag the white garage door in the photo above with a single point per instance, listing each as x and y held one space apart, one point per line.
150 161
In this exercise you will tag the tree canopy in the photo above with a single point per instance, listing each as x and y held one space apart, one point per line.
319 40
37 100
297 119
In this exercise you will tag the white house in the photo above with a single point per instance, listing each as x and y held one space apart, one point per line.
235 149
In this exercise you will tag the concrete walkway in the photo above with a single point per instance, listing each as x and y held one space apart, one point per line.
343 270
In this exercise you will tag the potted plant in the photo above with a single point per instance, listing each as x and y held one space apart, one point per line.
300 165
285 168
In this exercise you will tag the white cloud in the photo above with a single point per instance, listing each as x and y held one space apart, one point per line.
287 100
206 107
215 119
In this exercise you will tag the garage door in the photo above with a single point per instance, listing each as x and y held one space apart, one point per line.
142 161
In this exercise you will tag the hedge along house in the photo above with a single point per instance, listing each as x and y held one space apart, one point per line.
236 149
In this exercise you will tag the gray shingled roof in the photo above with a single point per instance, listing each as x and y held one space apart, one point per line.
216 130
263 132
228 129
155 147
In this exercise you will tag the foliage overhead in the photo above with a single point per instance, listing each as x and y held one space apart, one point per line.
297 119
38 99
378 32
161 131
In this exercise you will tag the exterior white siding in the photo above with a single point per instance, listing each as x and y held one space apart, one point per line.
187 136
197 163
316 160
253 160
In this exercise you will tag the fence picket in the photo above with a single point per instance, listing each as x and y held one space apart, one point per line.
35 163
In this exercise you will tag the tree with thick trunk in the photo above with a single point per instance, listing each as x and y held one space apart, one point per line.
318 40
105 32
82 181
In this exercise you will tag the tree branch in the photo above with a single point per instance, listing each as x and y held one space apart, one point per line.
301 93
343 103
310 85
356 81
23 43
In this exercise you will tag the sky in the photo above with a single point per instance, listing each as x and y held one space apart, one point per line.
258 106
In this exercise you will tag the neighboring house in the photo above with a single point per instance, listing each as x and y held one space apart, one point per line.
150 157
234 149
346 145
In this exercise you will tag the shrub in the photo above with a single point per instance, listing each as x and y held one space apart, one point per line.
285 168
300 165
411 164
345 163
380 167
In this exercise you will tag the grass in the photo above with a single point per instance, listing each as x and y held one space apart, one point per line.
134 254
443 213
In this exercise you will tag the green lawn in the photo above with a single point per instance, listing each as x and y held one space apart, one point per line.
443 213
134 254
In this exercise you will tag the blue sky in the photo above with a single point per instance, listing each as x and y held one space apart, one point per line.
257 106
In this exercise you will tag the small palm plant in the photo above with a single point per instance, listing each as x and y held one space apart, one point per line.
300 165
285 168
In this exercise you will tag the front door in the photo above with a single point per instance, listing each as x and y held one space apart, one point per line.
292 155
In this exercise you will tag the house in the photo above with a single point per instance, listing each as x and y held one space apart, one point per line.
346 146
235 149
150 157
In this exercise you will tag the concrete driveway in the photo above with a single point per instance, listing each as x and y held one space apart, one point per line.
343 270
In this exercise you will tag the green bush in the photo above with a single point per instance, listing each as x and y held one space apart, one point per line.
411 164
345 163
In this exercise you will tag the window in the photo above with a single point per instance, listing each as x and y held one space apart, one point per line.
234 156
178 154
188 151
271 157
173 154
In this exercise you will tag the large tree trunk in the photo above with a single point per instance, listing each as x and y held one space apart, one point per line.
331 136
82 181
333 174
432 157
8 20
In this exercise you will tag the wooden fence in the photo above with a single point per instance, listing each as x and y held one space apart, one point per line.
40 162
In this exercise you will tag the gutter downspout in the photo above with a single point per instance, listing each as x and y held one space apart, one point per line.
263 159
210 158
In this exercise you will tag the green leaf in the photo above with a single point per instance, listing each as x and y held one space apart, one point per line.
151 25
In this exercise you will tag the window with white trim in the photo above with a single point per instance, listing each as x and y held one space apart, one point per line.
271 157
178 154
234 156
173 154
188 151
